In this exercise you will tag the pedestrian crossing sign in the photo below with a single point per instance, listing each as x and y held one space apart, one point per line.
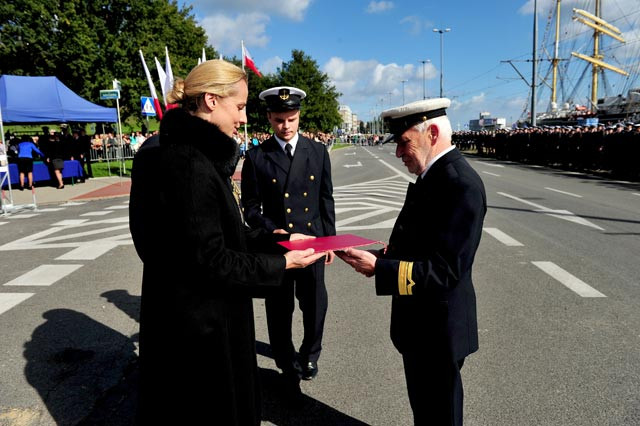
147 106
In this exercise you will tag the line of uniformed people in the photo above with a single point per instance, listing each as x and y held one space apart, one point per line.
612 148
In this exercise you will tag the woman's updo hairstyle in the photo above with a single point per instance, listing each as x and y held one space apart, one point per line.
216 76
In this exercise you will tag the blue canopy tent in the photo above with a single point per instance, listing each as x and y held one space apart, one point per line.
42 100
46 100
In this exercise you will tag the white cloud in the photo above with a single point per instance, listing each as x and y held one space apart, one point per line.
225 33
414 23
292 9
379 6
271 65
369 85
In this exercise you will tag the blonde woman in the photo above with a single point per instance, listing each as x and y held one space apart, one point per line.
201 266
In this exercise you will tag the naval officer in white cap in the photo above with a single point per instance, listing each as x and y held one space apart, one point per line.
426 268
286 187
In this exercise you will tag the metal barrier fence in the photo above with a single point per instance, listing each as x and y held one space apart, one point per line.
111 153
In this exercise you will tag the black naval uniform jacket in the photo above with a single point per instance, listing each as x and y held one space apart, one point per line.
427 265
197 339
296 199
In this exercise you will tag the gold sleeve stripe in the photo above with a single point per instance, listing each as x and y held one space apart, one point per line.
402 278
409 278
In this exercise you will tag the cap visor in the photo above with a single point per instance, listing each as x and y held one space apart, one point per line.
388 139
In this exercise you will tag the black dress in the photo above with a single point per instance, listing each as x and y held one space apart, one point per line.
197 339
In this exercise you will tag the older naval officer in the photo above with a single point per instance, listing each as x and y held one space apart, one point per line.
426 267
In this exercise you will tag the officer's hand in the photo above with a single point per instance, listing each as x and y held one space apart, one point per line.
297 236
330 256
302 258
360 260
279 231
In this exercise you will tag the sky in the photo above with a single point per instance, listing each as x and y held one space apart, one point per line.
368 48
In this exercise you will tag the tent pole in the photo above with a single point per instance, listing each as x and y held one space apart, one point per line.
5 169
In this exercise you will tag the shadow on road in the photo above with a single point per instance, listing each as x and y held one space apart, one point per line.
310 412
78 367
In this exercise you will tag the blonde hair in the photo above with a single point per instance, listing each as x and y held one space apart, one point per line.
216 76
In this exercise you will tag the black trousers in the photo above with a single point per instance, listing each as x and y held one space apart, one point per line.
309 288
435 390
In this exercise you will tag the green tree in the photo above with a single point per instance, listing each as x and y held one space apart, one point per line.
87 44
320 108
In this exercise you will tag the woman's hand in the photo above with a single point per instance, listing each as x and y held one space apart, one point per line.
302 258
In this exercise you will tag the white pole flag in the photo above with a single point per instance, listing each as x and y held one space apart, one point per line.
168 71
162 76
152 89
204 57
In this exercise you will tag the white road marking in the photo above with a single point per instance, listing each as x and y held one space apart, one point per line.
70 222
571 282
118 207
43 275
636 193
100 213
387 224
360 217
350 153
9 300
90 251
502 237
492 174
490 164
358 164
23 216
400 173
563 192
73 203
3 223
50 209
560 214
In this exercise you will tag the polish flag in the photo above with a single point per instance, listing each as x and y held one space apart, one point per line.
248 62
152 89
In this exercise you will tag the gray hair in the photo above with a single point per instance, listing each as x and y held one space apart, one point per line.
443 124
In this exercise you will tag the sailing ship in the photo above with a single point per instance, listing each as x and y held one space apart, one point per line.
563 107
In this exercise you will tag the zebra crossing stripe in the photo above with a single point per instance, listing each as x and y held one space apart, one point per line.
43 275
571 282
9 300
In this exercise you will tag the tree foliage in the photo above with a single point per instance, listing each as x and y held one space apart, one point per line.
319 110
87 44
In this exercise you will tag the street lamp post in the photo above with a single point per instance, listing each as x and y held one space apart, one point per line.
436 30
424 84
403 82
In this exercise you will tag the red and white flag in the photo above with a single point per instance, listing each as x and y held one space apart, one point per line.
152 89
248 62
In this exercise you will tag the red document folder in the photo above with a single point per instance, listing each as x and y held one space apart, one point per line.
335 243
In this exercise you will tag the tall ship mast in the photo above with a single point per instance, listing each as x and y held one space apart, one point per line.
607 109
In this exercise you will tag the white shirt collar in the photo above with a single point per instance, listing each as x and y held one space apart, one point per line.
293 142
436 158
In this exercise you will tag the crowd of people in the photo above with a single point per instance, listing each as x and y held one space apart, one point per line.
607 148
55 147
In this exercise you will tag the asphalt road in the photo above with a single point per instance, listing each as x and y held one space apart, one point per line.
557 279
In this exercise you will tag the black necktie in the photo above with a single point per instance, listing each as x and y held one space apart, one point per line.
287 148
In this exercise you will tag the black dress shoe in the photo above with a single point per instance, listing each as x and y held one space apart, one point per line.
309 370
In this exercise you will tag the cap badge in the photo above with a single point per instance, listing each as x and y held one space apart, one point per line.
284 94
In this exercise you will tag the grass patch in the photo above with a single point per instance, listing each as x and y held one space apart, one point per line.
100 168
341 145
